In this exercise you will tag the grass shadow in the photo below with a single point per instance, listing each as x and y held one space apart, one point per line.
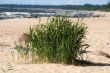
89 63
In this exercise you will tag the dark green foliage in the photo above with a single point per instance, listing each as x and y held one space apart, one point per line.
29 8
59 41
106 7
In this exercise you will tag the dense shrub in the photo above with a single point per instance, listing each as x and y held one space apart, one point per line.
59 41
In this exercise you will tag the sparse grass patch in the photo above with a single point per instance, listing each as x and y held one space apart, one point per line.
59 41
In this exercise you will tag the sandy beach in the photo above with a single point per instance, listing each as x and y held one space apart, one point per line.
98 37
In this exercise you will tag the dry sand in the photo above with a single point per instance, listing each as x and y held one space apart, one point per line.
98 37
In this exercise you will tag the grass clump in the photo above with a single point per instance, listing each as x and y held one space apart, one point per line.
59 41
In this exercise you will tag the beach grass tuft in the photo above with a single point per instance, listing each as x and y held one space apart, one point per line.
57 41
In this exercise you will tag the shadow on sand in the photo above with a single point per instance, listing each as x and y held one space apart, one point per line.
89 63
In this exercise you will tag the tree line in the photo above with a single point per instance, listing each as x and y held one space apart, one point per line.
105 7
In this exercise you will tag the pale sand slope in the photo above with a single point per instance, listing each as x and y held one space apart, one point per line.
98 37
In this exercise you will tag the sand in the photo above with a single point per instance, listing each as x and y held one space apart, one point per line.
98 37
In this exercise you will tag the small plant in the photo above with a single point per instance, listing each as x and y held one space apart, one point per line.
59 41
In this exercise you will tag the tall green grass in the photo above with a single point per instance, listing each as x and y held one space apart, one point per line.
58 41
